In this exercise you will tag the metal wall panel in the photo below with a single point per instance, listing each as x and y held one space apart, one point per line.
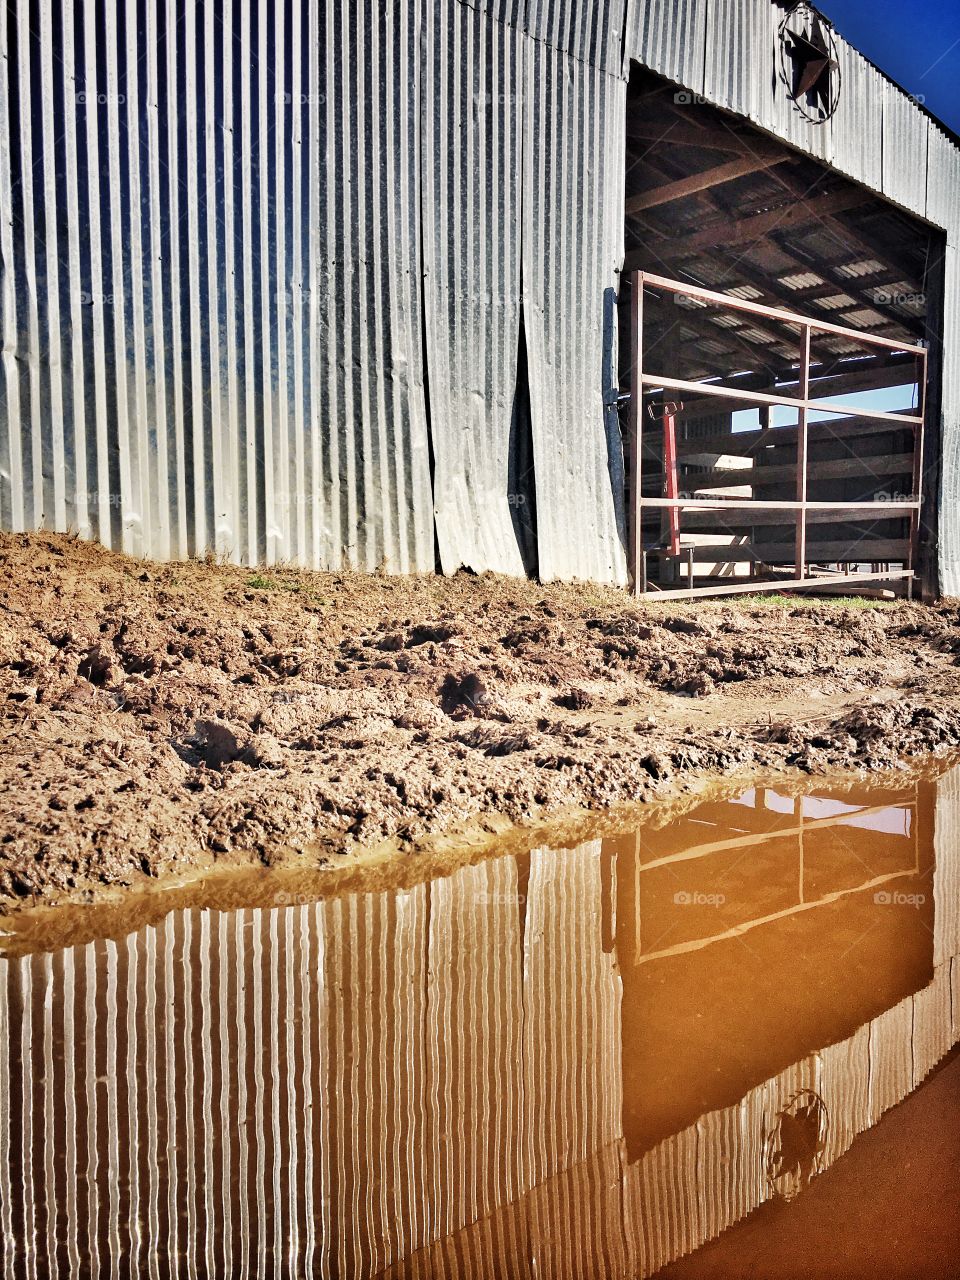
210 280
904 150
371 406
743 73
573 173
949 546
943 181
668 36
590 30
213 296
858 122
472 148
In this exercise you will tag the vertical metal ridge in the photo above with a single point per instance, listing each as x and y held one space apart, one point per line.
12 512
573 449
668 36
111 993
949 522
51 1145
54 497
27 292
141 534
262 248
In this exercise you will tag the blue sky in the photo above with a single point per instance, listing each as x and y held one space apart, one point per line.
918 44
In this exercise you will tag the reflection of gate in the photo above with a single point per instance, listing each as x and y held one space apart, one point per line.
870 849
755 504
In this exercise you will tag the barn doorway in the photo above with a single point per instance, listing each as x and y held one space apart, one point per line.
779 362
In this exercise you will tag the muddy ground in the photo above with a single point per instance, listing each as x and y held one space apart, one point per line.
166 719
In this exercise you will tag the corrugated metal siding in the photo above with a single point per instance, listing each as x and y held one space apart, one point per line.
213 293
943 180
472 149
210 281
949 548
572 248
589 30
743 73
670 37
904 150
858 121
369 358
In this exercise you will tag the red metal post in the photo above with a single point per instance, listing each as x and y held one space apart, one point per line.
913 561
671 483
636 431
800 553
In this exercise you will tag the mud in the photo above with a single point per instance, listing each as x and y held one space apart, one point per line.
164 720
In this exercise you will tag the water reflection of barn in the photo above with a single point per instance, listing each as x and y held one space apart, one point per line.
431 1081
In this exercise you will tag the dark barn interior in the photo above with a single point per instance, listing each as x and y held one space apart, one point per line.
732 486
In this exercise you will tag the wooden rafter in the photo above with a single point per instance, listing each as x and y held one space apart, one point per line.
697 182
744 229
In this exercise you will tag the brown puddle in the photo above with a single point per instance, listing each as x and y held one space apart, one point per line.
576 1063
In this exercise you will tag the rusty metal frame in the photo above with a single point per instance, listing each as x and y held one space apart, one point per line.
804 404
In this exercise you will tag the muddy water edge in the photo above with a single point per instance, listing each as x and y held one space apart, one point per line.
587 1059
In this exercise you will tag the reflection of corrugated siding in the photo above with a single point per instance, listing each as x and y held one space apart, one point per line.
295 1089
572 246
844 1084
328 1087
891 1058
664 1204
728 1167
475 1037
931 1024
562 962
946 871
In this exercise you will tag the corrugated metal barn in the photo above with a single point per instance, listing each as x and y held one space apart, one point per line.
346 284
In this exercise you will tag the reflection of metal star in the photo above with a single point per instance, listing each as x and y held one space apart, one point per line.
812 63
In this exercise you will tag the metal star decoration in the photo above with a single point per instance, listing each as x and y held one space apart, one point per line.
813 64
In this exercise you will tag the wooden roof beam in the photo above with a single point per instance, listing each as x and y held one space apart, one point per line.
676 134
697 182
746 229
